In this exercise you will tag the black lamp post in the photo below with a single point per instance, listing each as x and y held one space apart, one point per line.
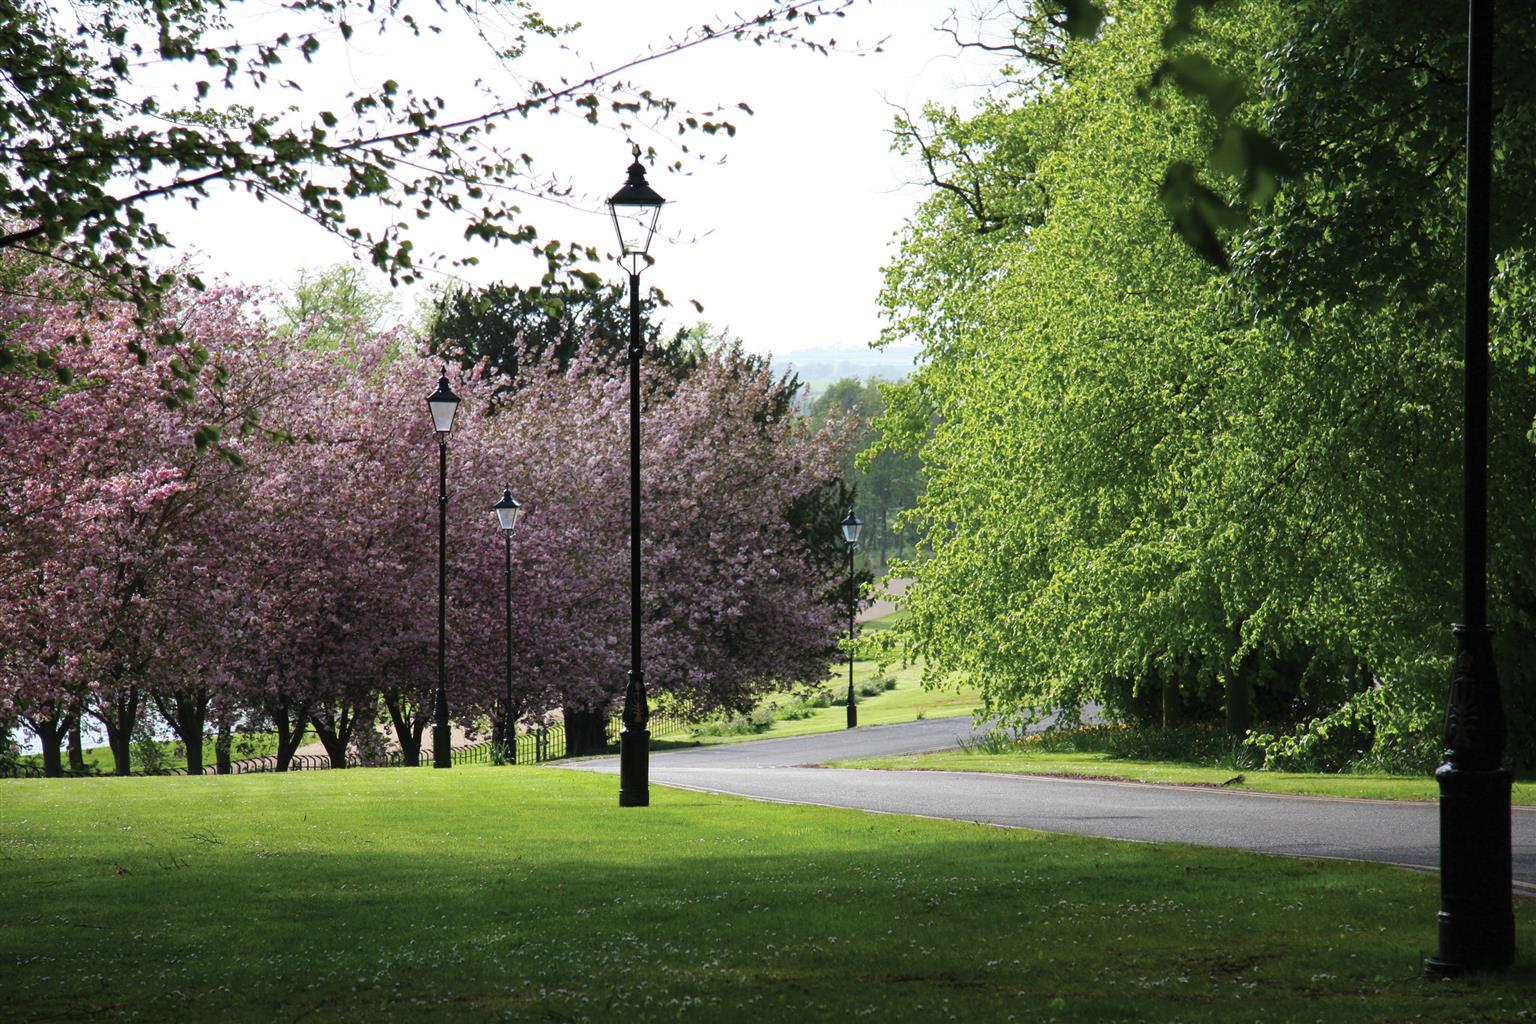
442 403
851 526
507 511
635 208
1477 918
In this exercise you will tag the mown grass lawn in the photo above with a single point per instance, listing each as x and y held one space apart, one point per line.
526 894
1096 765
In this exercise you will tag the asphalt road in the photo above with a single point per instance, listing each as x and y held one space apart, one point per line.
1394 832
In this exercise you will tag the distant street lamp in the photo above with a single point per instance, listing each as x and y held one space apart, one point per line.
507 511
851 526
1477 915
635 209
442 404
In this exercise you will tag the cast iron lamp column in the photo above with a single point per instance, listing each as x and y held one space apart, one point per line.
1477 917
635 208
507 510
442 403
851 526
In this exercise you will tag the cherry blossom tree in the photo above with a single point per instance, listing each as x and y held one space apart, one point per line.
104 497
341 549
284 574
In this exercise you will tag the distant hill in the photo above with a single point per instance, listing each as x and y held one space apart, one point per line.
819 367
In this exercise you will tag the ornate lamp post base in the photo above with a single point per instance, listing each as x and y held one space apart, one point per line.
634 768
635 746
1477 917
1477 913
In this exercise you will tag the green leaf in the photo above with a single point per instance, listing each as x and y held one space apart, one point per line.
1198 78
1248 154
1197 213
1083 17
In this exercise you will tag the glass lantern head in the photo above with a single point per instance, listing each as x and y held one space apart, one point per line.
851 526
442 403
635 209
507 510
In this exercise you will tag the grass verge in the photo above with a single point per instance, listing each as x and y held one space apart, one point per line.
404 895
795 714
1101 765
907 701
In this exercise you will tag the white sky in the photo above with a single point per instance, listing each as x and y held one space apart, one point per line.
801 269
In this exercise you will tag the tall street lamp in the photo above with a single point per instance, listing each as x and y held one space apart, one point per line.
507 510
851 526
1477 917
635 208
442 403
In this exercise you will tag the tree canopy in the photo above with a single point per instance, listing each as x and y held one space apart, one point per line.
503 325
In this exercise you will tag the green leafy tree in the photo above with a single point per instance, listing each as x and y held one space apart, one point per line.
505 324
335 305
1148 478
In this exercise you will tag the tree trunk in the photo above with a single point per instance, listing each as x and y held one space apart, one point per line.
50 734
335 746
335 732
194 747
290 723
221 749
76 749
585 731
121 715
1170 702
121 745
1238 717
409 728
188 714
